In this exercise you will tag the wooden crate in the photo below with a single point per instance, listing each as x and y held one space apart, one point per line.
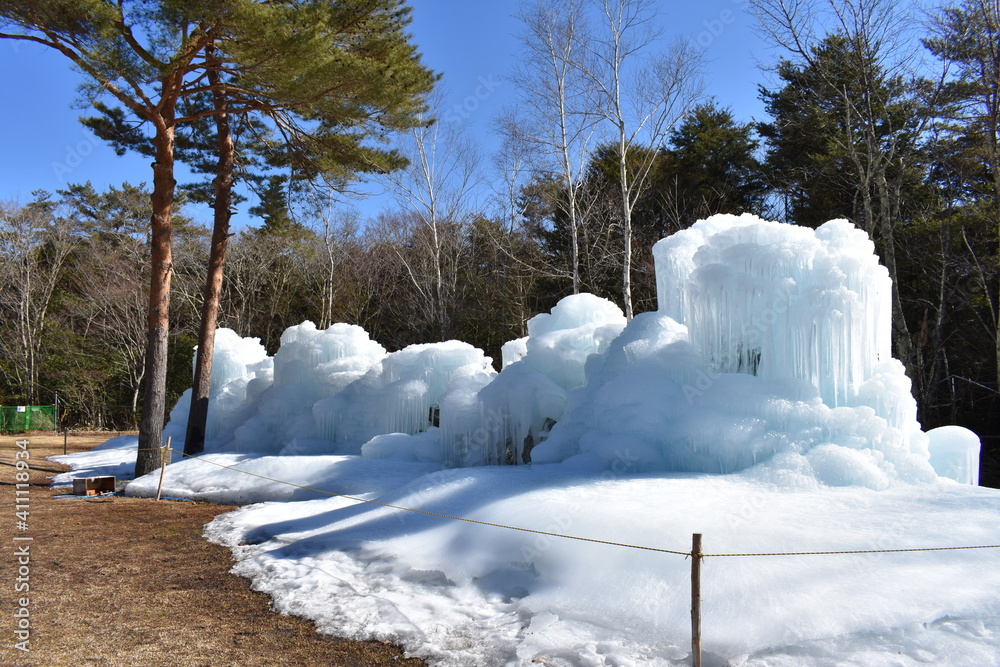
93 486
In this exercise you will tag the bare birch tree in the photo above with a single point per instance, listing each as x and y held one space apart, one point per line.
640 94
553 117
34 245
437 189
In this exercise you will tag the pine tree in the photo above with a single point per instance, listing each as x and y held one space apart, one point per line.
968 37
708 167
329 75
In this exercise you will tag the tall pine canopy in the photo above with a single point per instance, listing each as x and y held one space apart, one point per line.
330 76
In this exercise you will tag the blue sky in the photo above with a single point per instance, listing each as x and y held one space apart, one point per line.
474 44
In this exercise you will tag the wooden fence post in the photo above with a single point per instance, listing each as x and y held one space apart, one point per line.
164 453
696 557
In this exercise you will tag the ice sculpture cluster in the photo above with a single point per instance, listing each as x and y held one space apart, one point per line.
770 351
500 421
328 391
236 362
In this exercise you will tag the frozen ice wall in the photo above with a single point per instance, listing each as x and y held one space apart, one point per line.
268 403
236 361
400 395
781 301
500 422
772 344
310 365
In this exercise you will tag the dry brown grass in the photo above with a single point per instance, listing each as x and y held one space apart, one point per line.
125 581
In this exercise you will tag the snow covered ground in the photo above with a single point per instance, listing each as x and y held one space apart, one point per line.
758 406
468 594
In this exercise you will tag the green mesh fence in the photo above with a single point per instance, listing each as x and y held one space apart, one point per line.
27 417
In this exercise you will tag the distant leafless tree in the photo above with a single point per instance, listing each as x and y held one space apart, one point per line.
436 189
553 116
35 243
640 94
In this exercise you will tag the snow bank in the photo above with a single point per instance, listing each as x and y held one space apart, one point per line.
112 457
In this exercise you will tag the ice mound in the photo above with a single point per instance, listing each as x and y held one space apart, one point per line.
771 343
500 422
263 403
236 362
955 453
327 391
401 395
770 353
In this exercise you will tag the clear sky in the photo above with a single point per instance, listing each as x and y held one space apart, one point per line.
472 42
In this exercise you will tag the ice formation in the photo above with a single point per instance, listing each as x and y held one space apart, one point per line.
780 301
236 363
770 339
955 453
500 422
326 391
768 359
770 350
401 396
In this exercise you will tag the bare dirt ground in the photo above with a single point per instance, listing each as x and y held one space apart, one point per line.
119 581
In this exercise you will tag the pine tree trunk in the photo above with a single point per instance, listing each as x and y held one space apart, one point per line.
154 395
194 440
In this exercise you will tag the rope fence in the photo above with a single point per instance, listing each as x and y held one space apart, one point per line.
696 554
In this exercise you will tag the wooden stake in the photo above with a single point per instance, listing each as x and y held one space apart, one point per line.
696 557
164 452
65 439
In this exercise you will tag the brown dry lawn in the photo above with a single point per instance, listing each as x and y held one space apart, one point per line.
127 581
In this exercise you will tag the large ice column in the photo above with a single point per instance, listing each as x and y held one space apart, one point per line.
499 422
781 301
771 344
